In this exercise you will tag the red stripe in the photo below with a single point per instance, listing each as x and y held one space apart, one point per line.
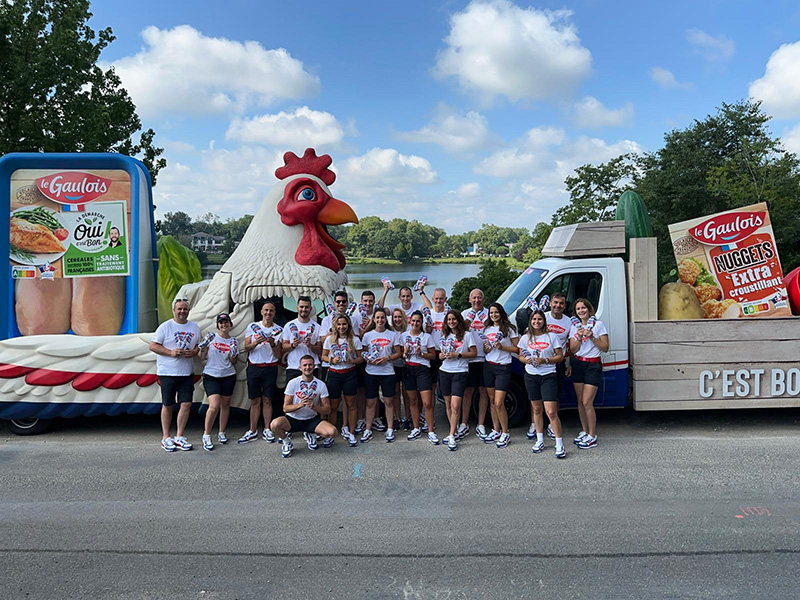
13 371
615 364
82 381
86 382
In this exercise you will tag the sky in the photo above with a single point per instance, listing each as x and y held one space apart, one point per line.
454 113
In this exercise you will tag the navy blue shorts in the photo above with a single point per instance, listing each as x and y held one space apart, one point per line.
219 385
541 387
497 377
305 425
452 384
261 381
181 386
475 377
342 383
590 373
372 383
418 377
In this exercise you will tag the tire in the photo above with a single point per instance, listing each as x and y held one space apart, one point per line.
517 405
29 426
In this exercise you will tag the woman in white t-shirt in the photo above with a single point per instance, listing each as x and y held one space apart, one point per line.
456 347
540 351
501 341
588 337
219 350
418 351
342 351
399 324
382 346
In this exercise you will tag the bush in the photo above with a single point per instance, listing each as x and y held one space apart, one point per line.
493 278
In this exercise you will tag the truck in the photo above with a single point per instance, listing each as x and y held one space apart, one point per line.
653 364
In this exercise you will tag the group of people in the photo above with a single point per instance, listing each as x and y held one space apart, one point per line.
395 353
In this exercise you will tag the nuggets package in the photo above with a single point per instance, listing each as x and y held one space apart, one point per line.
731 261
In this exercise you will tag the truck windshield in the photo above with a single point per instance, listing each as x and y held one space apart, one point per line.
523 285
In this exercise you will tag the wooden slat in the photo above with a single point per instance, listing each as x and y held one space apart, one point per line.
692 371
739 351
773 328
642 280
718 404
689 389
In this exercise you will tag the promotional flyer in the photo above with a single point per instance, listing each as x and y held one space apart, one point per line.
69 224
731 261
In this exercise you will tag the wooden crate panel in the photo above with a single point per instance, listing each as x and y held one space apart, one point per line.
702 330
679 372
738 351
717 404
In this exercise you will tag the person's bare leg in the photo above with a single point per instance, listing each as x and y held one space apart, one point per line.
427 403
352 412
371 410
224 412
166 420
266 410
255 413
552 414
589 392
414 401
538 416
483 404
499 403
466 404
581 410
183 416
211 413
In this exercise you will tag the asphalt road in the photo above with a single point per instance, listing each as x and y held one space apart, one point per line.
692 505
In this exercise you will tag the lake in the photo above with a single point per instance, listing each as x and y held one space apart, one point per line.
368 277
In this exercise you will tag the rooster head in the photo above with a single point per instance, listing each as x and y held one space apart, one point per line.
307 201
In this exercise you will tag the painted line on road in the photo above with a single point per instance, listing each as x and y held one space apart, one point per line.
357 471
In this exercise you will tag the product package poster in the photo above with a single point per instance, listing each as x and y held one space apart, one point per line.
731 261
69 223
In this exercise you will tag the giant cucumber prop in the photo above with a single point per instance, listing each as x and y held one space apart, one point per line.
631 209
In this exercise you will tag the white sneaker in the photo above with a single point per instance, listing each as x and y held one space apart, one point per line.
389 436
480 431
560 452
311 440
531 432
286 447
504 440
550 433
207 443
580 437
491 438
366 436
451 442
345 433
538 447
168 444
351 439
463 429
378 425
361 425
182 444
268 436
414 434
222 437
433 438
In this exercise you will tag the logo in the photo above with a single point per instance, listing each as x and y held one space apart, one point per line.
555 328
90 232
728 228
73 187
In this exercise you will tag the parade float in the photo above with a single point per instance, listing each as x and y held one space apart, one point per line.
80 292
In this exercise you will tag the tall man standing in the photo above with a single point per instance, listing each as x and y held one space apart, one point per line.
300 337
175 345
405 295
475 319
558 324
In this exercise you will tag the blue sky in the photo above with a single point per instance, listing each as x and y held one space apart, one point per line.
455 113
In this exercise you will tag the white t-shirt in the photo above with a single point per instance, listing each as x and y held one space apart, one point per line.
341 348
546 344
263 353
399 337
218 363
438 321
451 344
560 328
588 349
477 326
171 335
296 328
301 390
495 355
420 344
386 343
414 306
327 326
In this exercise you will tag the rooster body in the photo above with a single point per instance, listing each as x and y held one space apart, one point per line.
285 252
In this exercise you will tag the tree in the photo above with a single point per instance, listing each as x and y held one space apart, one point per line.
54 97
493 279
595 189
501 251
176 223
726 161
529 242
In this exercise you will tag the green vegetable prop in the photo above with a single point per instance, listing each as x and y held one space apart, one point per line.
177 266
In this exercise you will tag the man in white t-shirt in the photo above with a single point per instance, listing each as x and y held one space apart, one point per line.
558 324
305 403
300 337
405 295
438 313
175 345
475 318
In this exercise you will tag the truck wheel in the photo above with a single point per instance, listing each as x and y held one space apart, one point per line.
517 405
29 426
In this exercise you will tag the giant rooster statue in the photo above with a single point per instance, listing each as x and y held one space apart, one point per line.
286 251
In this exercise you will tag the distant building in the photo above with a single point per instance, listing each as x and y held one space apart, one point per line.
473 249
210 244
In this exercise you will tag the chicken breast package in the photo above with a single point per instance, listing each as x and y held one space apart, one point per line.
731 261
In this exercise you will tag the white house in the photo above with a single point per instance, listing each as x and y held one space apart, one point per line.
211 244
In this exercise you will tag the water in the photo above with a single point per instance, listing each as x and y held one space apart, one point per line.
368 277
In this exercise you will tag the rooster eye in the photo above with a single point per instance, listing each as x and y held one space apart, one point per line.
307 194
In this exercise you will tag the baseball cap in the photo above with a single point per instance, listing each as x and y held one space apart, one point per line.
223 317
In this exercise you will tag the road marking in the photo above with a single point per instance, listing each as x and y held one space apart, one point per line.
357 471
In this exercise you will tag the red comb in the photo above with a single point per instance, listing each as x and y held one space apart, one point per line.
310 163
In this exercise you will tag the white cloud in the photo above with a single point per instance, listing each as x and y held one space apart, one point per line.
589 113
791 139
453 131
544 136
779 88
508 162
466 190
382 168
303 126
713 49
499 49
182 71
666 79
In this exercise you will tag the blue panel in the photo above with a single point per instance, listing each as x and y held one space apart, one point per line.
23 410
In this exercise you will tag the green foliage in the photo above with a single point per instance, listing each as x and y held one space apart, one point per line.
493 278
501 251
726 161
176 223
531 244
177 266
54 97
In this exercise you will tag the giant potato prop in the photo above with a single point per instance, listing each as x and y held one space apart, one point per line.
678 301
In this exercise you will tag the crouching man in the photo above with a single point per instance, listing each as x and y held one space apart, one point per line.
305 403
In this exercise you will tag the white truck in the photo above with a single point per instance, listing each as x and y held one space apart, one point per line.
652 364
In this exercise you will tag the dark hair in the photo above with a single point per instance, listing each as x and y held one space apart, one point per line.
505 324
304 299
460 329
405 287
529 330
385 312
368 293
558 295
340 294
588 304
417 313
307 356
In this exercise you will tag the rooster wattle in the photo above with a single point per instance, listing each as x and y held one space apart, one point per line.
286 251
